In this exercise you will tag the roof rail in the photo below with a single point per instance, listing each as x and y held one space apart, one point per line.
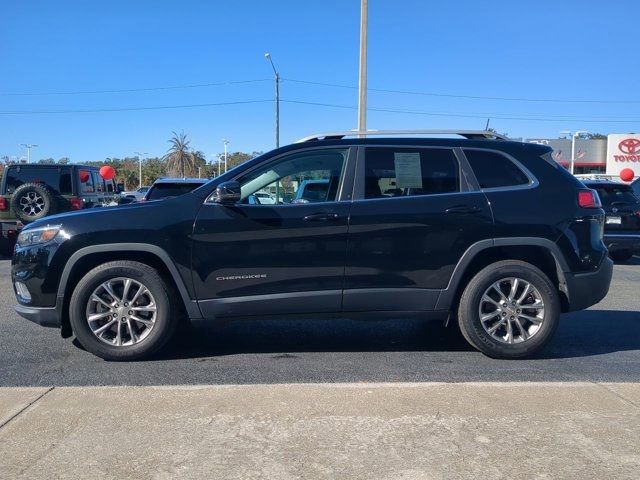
469 134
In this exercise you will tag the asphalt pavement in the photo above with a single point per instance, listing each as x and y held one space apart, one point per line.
601 344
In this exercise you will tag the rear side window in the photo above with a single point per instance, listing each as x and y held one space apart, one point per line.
57 178
494 170
86 181
404 172
165 190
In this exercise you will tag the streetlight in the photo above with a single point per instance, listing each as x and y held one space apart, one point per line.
225 143
277 78
28 146
574 136
140 155
362 84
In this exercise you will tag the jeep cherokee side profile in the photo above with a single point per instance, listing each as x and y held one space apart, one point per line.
480 230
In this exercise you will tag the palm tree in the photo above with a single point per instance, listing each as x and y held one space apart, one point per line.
179 159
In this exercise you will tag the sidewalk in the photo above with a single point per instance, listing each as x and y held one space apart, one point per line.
332 431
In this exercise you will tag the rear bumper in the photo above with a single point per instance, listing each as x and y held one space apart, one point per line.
622 241
47 317
586 289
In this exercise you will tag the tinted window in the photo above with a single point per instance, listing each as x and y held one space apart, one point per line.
401 172
307 177
86 181
56 178
614 194
165 190
495 170
98 182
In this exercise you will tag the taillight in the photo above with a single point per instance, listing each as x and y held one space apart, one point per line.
589 199
3 203
76 203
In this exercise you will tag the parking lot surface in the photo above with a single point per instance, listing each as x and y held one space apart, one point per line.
601 344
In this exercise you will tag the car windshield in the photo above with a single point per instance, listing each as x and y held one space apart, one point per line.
165 190
615 194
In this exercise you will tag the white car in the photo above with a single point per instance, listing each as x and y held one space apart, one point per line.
138 194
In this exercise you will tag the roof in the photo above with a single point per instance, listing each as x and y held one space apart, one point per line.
182 180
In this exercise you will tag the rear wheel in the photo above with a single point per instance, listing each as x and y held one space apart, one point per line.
122 310
621 255
509 309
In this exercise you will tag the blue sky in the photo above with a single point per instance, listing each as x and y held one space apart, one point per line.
568 50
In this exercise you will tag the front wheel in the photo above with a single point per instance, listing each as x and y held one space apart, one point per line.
122 310
509 309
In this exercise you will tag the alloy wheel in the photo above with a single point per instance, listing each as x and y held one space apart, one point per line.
121 312
511 310
32 204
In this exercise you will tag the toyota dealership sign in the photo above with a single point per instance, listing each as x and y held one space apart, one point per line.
623 152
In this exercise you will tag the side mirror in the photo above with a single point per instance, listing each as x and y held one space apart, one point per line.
227 193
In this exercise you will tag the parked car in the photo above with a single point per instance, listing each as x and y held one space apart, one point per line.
136 195
622 224
8 236
262 198
30 192
311 191
635 186
489 233
173 187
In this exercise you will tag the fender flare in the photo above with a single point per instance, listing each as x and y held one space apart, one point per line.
190 305
446 297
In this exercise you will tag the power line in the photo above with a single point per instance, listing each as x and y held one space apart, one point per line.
522 117
468 97
131 90
130 109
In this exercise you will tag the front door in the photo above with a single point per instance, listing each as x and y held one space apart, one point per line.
413 216
282 249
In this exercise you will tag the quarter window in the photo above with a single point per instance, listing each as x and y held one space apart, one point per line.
307 177
403 172
494 170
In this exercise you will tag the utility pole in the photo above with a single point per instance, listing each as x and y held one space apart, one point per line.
28 146
225 142
362 85
140 155
277 79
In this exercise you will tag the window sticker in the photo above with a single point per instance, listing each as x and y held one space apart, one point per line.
408 170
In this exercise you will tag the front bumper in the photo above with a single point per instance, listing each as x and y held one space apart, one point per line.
622 241
586 289
45 316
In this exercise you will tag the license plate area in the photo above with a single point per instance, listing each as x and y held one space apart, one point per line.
614 221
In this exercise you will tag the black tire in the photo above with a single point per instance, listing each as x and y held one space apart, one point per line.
32 201
470 302
165 301
621 255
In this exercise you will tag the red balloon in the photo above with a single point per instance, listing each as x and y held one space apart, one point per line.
84 176
627 175
107 172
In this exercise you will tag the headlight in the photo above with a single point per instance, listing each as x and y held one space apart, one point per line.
35 236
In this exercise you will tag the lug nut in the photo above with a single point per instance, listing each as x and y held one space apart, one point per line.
130 312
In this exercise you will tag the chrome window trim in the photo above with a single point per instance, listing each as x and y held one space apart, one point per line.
533 181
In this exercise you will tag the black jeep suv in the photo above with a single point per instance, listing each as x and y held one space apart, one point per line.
484 231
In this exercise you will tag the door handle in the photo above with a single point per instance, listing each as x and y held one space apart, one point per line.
463 209
322 217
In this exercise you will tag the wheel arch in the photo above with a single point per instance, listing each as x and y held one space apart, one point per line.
87 258
540 252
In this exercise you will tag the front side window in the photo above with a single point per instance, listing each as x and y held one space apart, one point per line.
307 177
403 172
494 170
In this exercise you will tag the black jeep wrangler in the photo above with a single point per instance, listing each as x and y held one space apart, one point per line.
29 192
482 231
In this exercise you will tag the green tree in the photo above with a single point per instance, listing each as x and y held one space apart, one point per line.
180 160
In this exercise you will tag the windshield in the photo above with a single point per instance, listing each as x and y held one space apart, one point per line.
165 190
615 194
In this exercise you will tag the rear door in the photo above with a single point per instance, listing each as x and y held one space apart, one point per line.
415 212
284 257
